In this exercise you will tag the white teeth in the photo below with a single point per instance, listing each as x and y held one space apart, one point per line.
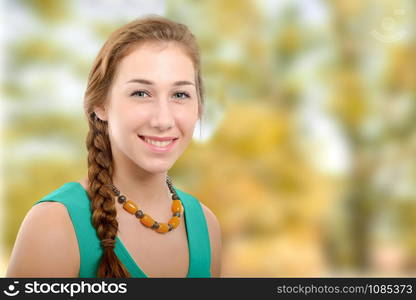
158 143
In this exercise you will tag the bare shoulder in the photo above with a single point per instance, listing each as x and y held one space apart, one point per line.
46 244
214 229
210 217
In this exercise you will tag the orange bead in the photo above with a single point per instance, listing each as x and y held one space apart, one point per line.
176 206
147 220
174 221
163 227
130 207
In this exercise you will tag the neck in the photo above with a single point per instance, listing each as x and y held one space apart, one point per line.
145 189
148 190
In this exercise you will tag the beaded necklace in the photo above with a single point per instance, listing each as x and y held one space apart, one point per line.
132 208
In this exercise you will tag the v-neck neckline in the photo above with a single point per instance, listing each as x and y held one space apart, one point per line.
122 252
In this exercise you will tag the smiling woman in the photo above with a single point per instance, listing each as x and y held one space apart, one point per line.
143 99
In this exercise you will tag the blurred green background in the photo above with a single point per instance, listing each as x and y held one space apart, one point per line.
307 149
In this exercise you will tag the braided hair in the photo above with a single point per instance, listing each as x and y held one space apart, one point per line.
100 162
100 172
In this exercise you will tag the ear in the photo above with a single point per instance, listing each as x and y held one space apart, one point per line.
101 113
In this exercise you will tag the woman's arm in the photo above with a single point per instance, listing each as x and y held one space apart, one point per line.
46 244
214 229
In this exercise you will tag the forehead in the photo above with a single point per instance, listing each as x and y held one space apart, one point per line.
162 63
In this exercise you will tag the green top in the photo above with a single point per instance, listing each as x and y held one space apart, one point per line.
76 200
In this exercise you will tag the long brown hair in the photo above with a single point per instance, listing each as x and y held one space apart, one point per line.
100 164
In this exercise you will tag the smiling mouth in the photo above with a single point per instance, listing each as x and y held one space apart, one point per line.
159 144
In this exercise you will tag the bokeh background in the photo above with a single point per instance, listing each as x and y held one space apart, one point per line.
306 152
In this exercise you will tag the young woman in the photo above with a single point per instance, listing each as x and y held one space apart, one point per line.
125 218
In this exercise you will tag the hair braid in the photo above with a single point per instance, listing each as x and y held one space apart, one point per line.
100 171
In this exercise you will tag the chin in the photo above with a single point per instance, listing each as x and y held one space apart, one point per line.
157 168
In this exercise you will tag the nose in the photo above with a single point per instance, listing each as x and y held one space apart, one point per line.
162 117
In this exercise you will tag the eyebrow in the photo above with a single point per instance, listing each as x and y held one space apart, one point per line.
145 81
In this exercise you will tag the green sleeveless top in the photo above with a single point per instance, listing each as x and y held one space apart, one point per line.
76 200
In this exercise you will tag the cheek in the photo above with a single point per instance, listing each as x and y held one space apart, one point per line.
187 124
188 118
129 117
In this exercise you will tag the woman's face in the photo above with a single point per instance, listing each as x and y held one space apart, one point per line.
152 98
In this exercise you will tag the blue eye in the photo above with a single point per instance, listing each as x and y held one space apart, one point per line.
138 93
185 94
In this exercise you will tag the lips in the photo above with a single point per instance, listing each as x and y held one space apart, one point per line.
159 144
